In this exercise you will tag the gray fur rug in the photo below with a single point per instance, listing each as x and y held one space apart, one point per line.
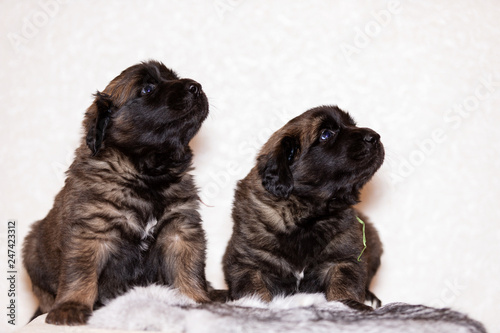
156 308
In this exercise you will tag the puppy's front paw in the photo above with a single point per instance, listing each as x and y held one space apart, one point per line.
218 295
355 305
69 313
374 300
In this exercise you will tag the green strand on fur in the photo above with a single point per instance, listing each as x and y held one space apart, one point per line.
364 237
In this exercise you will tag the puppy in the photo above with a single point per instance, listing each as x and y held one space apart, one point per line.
127 214
295 229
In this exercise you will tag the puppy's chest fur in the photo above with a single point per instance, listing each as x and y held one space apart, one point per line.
306 243
146 211
135 205
137 212
308 249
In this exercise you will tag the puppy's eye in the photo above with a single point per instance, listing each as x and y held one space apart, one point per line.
147 89
326 134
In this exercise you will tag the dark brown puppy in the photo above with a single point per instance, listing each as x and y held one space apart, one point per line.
295 229
127 214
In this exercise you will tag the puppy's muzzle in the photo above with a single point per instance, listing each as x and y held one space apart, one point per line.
371 136
366 144
186 95
192 86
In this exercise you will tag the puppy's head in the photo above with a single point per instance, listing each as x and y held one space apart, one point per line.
147 108
320 155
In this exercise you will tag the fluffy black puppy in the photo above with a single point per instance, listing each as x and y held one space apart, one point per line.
295 229
127 214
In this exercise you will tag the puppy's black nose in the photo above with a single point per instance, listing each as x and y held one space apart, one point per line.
193 87
371 137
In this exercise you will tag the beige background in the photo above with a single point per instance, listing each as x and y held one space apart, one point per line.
424 74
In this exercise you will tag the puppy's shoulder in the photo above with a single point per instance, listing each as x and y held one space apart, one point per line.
109 162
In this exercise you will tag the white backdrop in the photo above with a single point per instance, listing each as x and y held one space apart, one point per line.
424 74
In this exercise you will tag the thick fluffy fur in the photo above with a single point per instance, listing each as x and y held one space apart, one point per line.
127 214
295 229
155 308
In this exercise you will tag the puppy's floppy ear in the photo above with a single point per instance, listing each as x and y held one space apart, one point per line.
96 128
274 168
